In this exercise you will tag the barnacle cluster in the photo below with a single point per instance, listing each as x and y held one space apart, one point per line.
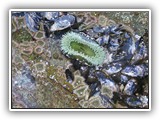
89 20
21 35
58 75
136 20
81 89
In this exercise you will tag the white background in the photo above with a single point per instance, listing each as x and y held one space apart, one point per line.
5 5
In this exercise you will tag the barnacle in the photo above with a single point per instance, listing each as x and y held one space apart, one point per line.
102 20
83 103
95 102
17 60
38 50
40 42
27 51
21 35
40 67
81 91
39 35
56 73
78 81
80 59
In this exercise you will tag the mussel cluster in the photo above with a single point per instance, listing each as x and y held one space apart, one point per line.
122 80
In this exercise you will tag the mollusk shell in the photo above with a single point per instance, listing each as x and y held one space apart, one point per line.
18 14
63 23
130 87
113 68
136 70
32 21
51 15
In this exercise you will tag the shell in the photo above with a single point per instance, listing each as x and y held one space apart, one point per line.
51 16
124 79
116 29
18 14
103 40
113 68
95 88
32 20
98 29
133 101
63 23
136 70
109 87
141 52
69 76
130 87
105 64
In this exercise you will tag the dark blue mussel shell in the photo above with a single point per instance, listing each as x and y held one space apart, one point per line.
33 20
18 14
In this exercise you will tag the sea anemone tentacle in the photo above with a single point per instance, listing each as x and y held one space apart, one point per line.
76 45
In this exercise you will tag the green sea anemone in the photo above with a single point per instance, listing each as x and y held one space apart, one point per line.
80 47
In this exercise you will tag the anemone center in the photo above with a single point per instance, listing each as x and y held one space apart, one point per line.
82 48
